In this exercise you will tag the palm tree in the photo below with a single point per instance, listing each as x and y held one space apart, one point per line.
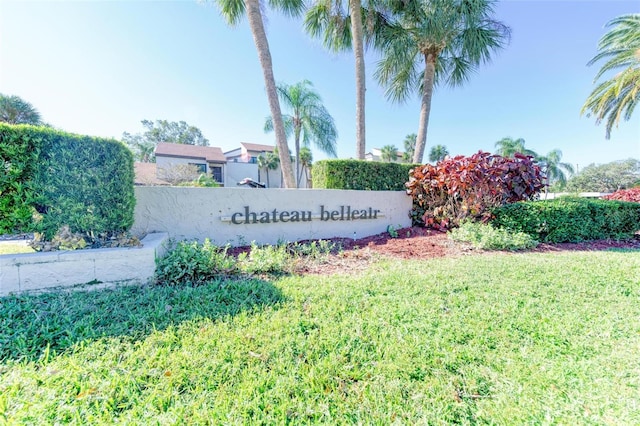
389 153
306 159
15 110
617 97
262 164
309 120
341 30
438 153
409 147
554 169
436 42
508 147
268 161
233 10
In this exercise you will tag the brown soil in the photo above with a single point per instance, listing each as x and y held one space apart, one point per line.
421 243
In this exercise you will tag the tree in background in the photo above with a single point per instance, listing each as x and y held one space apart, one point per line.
342 29
606 177
144 144
435 42
308 121
269 161
616 98
179 173
438 153
555 171
409 148
508 147
233 11
306 160
15 110
389 153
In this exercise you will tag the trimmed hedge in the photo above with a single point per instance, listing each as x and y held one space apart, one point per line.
570 219
18 162
65 179
361 175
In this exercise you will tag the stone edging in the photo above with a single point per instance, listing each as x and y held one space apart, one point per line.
58 269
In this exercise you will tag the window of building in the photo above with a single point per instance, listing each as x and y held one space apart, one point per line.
202 168
216 173
253 160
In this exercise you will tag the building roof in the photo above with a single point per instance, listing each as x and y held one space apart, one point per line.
257 147
145 174
207 153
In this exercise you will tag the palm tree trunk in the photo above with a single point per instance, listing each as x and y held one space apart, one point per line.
425 108
358 51
296 137
256 24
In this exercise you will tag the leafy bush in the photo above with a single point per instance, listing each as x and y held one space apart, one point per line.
570 219
360 175
265 259
315 250
486 237
468 187
632 195
190 262
56 179
18 161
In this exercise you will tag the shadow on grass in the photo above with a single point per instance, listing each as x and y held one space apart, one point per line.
31 323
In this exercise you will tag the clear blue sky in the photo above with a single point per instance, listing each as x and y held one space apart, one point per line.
99 67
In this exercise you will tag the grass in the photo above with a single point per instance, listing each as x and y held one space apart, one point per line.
493 339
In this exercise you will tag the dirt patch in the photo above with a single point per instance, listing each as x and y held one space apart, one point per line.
421 243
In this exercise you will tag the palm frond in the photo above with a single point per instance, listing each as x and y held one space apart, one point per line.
231 10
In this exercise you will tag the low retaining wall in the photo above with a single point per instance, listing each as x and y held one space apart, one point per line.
40 271
238 216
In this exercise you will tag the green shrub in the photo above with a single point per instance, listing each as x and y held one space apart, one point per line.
570 219
266 259
486 237
315 250
360 175
59 179
191 262
18 162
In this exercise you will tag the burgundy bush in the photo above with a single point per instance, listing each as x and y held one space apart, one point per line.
468 187
632 195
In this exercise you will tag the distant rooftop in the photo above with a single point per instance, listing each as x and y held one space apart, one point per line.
207 153
257 147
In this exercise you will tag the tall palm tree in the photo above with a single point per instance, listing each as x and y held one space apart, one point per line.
433 42
309 121
554 169
438 153
233 11
15 110
409 147
508 147
389 153
616 98
342 29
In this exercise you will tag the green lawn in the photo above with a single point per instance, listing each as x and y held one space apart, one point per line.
505 339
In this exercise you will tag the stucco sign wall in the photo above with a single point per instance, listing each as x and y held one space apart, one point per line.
240 215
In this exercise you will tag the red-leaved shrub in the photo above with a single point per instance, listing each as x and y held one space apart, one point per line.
468 187
632 195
